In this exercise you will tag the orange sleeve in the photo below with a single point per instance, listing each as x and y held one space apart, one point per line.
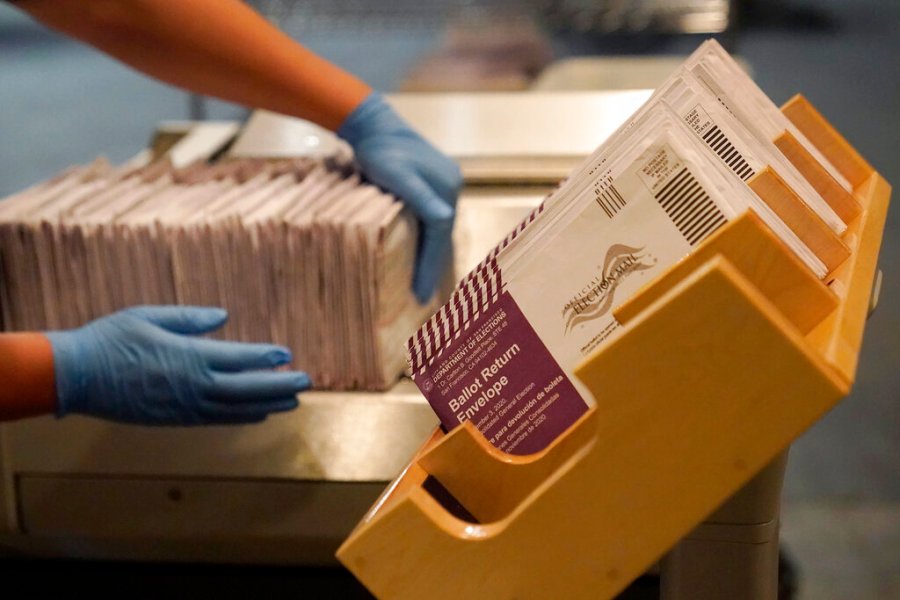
220 48
27 382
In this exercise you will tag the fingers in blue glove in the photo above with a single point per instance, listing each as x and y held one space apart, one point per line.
435 244
446 182
238 356
435 237
191 320
255 386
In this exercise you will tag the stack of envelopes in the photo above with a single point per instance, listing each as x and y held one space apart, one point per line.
502 351
300 252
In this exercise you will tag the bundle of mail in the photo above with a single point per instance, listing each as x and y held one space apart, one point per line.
501 352
300 252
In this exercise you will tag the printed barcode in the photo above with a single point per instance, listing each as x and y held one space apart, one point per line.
692 211
609 199
720 144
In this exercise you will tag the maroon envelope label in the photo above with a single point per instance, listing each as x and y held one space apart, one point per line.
499 375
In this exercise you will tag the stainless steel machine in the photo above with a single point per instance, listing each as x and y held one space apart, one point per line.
288 490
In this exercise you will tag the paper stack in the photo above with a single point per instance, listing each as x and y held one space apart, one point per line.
300 252
501 352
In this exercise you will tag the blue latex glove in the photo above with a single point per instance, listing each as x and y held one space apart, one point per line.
397 159
143 365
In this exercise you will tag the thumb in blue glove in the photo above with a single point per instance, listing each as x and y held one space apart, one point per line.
143 365
397 159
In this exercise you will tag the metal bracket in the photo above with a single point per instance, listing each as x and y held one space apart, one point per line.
876 293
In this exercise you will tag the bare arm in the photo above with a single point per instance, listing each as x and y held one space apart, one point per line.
219 48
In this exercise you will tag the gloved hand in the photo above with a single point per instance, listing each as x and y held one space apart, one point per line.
397 159
143 365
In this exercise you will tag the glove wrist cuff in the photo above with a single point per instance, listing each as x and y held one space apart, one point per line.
372 115
71 378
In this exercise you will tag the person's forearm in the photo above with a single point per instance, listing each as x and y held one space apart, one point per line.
27 384
220 48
